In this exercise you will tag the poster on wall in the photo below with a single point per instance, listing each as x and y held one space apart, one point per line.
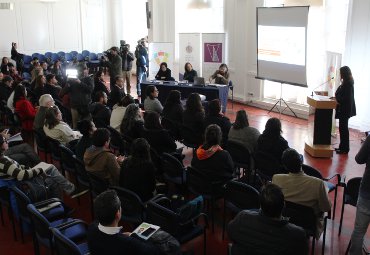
189 51
213 45
160 52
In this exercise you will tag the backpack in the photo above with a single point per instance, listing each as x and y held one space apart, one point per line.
165 242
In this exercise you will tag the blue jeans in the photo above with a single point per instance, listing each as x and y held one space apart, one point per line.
140 77
361 224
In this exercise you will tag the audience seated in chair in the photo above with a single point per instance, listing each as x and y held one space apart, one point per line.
106 237
211 159
193 117
14 74
99 110
39 87
216 117
57 129
241 132
99 83
158 137
271 141
24 108
6 88
86 128
37 177
138 171
173 109
99 160
151 102
45 102
118 112
303 189
132 123
266 231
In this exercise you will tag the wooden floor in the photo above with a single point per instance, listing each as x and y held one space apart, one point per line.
295 131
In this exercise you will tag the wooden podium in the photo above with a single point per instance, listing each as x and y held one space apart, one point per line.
318 143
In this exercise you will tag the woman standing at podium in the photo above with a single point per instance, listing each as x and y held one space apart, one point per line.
346 107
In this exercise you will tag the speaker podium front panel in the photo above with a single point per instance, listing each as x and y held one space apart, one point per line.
318 143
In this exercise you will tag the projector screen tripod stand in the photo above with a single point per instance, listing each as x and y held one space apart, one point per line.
281 101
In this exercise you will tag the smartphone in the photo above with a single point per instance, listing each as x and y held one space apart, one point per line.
148 232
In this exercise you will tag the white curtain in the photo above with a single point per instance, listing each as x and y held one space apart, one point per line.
357 57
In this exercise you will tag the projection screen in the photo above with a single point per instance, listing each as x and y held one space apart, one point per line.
282 44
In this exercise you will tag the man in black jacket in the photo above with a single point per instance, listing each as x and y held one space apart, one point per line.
117 91
80 91
51 87
127 58
107 237
266 231
6 88
114 64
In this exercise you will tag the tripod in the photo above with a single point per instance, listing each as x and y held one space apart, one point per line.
280 101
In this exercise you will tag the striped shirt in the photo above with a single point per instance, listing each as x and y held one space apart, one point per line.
9 167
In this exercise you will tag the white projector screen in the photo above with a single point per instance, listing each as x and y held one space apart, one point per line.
281 44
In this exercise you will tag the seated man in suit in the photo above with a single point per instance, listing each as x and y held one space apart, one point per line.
302 189
266 231
107 237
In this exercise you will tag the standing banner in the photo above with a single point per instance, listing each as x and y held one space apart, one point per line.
333 63
189 51
160 52
213 45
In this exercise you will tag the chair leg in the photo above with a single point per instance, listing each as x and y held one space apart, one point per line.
21 228
223 222
2 215
11 217
313 245
341 215
348 247
204 241
335 202
212 214
324 236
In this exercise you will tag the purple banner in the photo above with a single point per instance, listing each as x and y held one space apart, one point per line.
212 52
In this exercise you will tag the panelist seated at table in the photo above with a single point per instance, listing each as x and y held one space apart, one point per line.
190 73
221 76
164 73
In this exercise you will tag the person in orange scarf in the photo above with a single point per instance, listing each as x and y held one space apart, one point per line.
211 159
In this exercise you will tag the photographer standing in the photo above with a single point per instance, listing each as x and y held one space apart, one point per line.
127 58
114 63
142 64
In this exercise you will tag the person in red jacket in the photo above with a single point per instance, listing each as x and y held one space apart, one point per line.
24 108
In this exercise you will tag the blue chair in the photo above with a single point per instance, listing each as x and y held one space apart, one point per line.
85 53
80 57
48 54
94 62
26 76
27 62
64 245
169 221
54 57
61 53
173 170
68 57
74 53
52 209
42 233
42 58
36 55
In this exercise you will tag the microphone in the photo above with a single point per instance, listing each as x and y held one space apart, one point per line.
332 78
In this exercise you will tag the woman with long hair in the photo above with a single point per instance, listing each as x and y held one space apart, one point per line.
132 123
193 117
119 110
241 132
221 76
24 108
346 107
38 90
138 171
158 137
189 73
164 73
173 109
271 141
57 129
211 159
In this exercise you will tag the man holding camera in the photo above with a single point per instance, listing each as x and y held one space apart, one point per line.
142 64
127 58
114 63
